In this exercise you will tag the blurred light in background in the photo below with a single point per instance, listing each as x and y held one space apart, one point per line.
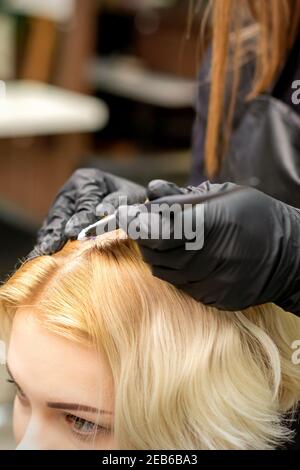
57 10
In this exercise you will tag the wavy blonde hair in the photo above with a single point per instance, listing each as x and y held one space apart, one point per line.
186 376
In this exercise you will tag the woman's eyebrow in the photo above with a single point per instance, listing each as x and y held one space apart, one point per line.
67 406
76 407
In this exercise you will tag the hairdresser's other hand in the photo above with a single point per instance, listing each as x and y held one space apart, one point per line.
87 196
251 252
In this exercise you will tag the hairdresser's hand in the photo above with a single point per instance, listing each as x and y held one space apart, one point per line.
251 252
86 197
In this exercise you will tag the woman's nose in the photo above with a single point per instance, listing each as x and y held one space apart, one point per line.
34 438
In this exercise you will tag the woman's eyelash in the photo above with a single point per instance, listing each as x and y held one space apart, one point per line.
19 390
11 381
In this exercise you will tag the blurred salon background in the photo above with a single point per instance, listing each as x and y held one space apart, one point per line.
102 83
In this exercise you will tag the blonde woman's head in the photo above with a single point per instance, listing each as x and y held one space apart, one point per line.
144 365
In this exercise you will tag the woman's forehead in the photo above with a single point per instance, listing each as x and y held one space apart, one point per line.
53 365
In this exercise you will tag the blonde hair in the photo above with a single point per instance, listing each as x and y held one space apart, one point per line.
271 29
186 376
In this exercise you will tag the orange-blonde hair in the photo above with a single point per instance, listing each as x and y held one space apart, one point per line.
186 376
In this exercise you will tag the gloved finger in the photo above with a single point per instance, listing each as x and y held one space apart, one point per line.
35 253
49 245
78 222
51 237
201 292
175 277
161 188
128 219
111 202
127 194
163 230
88 197
90 193
141 225
181 279
135 192
53 244
174 259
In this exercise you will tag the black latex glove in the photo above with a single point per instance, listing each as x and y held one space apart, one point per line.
251 252
86 197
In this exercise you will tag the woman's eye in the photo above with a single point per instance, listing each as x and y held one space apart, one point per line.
81 425
84 428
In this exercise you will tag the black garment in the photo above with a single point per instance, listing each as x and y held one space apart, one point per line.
265 150
246 116
286 86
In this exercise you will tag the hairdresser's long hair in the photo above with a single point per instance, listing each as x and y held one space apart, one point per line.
271 29
186 376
